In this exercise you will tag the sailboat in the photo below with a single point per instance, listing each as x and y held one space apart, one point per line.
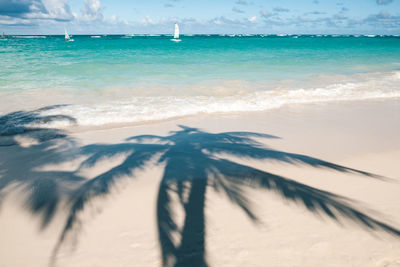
3 37
176 34
67 38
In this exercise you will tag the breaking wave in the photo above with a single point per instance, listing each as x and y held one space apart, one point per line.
154 108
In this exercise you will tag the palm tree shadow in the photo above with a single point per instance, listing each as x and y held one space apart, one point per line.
192 167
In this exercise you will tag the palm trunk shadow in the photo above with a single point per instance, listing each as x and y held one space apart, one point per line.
191 249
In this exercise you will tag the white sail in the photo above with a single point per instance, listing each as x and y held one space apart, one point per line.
66 35
176 32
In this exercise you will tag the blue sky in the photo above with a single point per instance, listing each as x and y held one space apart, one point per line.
207 16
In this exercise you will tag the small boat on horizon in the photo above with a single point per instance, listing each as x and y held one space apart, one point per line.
176 34
67 38
3 37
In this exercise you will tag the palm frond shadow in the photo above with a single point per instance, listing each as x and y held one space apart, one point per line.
43 190
192 167
31 124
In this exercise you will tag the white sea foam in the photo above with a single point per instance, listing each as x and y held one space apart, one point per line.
154 108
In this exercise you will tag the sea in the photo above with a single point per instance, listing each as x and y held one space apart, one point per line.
120 79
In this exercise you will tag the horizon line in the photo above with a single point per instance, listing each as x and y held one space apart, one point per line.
191 34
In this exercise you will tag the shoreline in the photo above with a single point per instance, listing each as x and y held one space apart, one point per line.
295 107
140 104
284 119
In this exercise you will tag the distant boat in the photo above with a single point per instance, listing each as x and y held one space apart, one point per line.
176 34
67 38
128 36
3 37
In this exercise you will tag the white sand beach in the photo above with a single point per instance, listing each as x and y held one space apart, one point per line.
305 185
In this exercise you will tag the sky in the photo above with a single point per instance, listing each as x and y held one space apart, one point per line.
206 16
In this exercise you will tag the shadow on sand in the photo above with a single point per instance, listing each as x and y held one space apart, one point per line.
193 165
20 170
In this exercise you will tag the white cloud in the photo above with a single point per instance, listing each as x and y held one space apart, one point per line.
92 10
12 21
114 19
252 19
237 10
58 10
147 21
383 2
383 19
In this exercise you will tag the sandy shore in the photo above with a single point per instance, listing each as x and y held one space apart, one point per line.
309 185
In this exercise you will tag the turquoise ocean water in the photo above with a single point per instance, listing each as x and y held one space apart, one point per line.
120 79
